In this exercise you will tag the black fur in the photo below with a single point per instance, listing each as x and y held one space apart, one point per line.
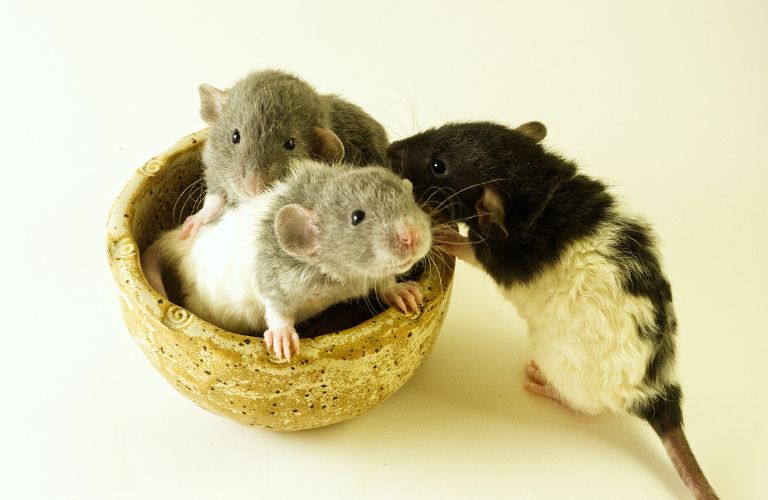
635 252
576 208
548 204
664 411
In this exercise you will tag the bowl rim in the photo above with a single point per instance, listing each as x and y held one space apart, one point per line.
123 253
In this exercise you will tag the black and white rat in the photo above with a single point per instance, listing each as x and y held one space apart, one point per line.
266 119
322 235
584 273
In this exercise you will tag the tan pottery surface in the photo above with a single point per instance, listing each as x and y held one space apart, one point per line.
334 377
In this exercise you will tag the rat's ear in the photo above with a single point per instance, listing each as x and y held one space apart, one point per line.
490 213
296 230
327 145
212 101
534 130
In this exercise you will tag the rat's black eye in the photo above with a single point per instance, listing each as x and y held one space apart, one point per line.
290 144
235 136
357 217
438 167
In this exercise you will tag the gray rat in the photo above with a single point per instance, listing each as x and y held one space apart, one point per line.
583 271
323 235
266 119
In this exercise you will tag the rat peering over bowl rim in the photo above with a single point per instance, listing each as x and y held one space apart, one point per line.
333 378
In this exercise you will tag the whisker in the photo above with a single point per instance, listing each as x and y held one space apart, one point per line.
471 187
175 204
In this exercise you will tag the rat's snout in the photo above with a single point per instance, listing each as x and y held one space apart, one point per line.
407 242
408 237
252 183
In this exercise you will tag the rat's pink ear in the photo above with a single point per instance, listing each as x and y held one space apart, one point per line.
296 230
534 130
490 213
327 145
212 101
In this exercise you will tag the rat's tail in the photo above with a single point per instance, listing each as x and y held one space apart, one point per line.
666 417
152 264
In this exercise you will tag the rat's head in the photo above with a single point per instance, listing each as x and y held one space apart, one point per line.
259 125
467 170
361 222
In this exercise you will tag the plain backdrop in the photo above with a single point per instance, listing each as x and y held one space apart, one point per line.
667 101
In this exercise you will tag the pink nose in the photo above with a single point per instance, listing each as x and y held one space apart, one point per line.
408 237
253 184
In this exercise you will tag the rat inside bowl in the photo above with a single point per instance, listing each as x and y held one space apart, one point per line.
334 377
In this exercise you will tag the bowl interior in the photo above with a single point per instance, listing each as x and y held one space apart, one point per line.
351 364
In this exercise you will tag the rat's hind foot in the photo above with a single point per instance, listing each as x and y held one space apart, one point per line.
538 384
283 340
405 296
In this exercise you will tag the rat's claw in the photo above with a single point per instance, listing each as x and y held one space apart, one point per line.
405 296
295 342
284 341
415 290
287 347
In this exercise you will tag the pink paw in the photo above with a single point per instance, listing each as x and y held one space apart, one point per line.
284 341
538 384
451 242
405 296
192 225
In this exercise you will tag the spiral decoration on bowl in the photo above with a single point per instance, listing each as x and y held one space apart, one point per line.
151 167
177 317
124 248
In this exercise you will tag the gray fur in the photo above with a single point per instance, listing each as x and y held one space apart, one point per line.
364 138
349 260
268 108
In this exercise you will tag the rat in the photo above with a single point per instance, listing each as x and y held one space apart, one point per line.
583 271
264 120
323 235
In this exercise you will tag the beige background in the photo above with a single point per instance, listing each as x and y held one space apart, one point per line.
668 101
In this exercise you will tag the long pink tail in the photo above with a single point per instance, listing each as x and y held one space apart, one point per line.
685 463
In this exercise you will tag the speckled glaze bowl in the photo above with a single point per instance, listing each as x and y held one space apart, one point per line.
334 377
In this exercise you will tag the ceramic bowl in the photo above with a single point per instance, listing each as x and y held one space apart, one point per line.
333 378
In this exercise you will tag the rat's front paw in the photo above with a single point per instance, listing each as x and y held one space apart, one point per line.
192 225
453 243
405 296
284 341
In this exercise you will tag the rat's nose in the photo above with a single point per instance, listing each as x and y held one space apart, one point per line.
253 184
408 237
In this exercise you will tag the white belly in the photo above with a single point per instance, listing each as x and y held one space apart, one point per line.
217 269
584 328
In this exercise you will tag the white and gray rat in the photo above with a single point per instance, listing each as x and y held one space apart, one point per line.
583 272
323 235
266 119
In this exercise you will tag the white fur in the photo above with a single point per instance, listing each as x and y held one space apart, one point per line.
583 327
217 268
